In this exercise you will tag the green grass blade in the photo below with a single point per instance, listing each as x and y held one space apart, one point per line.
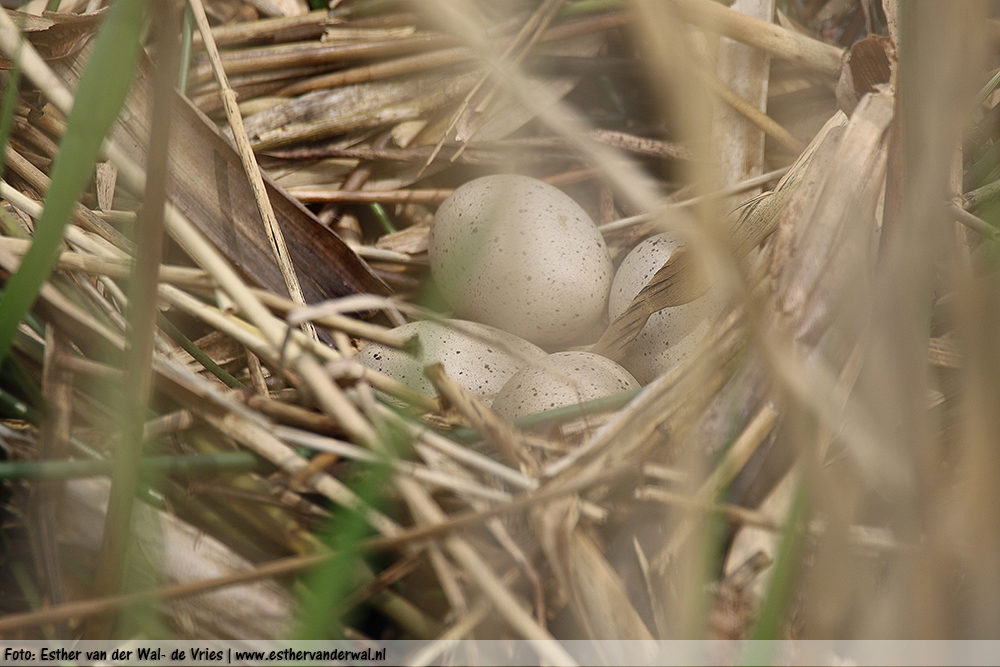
772 619
329 585
99 98
192 464
188 346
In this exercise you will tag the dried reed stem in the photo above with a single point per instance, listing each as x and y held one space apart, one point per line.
766 36
250 166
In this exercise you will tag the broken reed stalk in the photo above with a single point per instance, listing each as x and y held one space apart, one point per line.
380 70
81 215
251 168
768 37
311 195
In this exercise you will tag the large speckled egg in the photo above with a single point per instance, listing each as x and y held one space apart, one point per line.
479 358
560 379
671 334
516 253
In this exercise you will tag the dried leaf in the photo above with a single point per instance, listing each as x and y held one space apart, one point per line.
412 240
833 241
210 188
867 66
677 282
56 35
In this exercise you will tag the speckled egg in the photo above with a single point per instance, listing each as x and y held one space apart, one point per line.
671 334
476 358
563 378
521 255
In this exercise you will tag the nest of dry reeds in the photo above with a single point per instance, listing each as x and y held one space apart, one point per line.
187 430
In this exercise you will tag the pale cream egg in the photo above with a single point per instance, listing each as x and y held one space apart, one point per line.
519 254
560 379
478 357
672 333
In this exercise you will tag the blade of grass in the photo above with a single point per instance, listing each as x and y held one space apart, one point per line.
192 464
187 39
188 346
779 594
118 45
331 584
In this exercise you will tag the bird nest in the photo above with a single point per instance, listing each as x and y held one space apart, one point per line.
818 464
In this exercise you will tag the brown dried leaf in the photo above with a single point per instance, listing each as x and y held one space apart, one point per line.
867 65
211 189
832 243
55 35
412 240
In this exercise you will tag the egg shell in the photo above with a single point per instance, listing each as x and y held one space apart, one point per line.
519 254
671 334
563 378
478 362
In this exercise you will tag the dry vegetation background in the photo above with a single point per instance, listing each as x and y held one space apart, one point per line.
825 464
